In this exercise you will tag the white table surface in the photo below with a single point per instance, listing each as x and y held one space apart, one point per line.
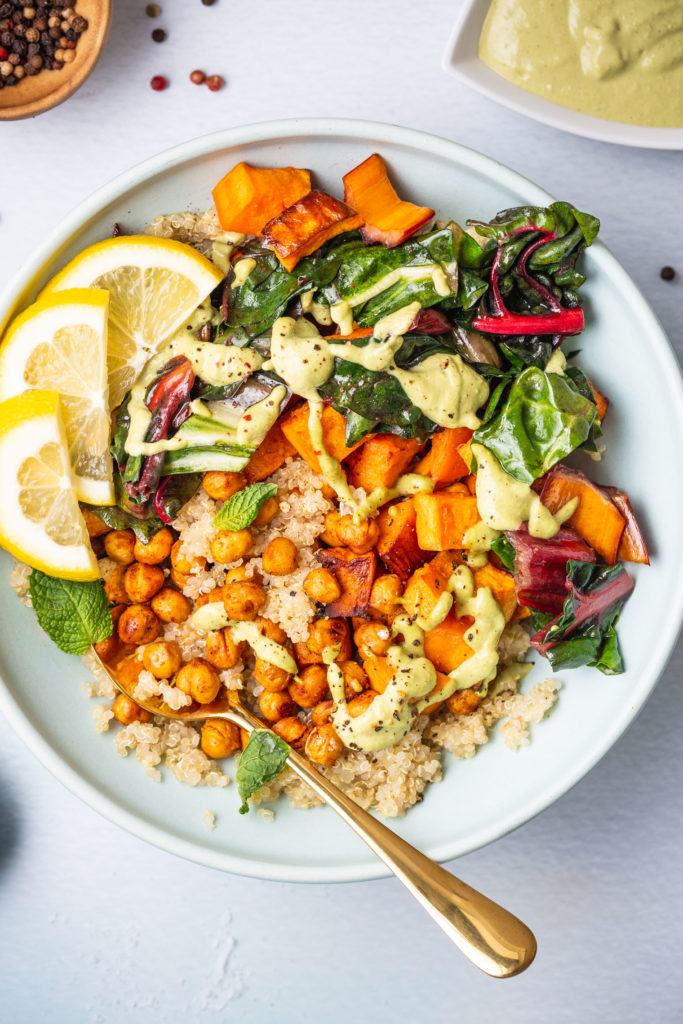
96 926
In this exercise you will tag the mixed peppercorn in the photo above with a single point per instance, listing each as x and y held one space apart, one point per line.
197 77
35 38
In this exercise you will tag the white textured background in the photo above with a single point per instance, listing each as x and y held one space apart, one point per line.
95 926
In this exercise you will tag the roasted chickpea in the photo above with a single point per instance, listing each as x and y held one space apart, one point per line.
200 680
93 524
220 738
114 587
372 638
355 678
463 702
171 606
280 557
310 687
162 659
274 706
221 486
157 548
243 601
106 649
119 545
293 731
322 586
221 649
126 711
184 563
330 534
360 537
267 512
138 625
230 545
142 582
323 745
320 715
213 597
357 705
271 677
384 597
237 574
272 630
322 634
180 579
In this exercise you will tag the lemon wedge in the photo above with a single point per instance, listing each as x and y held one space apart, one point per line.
154 285
40 521
60 343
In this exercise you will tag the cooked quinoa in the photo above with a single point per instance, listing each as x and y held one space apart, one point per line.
390 780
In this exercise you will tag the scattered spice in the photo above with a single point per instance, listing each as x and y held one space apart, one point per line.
215 82
208 3
152 10
158 83
158 35
37 38
198 77
667 273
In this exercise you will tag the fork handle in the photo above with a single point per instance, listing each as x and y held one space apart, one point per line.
496 941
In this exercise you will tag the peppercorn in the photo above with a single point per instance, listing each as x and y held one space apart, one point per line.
158 35
208 3
6 68
32 35
158 83
79 24
215 82
667 273
14 59
152 10
198 77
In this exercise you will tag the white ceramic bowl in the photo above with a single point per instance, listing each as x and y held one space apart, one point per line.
461 59
480 799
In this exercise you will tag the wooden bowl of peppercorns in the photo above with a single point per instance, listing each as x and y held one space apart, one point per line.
47 50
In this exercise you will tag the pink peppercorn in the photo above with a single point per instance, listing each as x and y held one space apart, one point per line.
158 83
198 77
3 53
215 82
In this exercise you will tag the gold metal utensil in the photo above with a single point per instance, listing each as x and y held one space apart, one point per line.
494 940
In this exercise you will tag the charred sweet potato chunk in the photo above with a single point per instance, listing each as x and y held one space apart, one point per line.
248 197
397 545
355 574
295 429
269 455
306 225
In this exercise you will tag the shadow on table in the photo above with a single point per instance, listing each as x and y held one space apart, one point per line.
9 827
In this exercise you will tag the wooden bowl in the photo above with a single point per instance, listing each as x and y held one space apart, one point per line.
32 95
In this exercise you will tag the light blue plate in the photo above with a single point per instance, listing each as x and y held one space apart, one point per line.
626 353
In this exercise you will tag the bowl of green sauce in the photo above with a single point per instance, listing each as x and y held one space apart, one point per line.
606 69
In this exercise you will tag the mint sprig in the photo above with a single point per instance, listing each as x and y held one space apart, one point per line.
73 613
241 509
260 762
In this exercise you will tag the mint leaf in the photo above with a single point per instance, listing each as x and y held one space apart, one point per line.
241 509
261 761
73 613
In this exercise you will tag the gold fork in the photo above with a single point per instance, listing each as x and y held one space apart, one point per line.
496 941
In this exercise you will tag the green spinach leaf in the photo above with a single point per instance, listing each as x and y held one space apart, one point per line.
543 419
260 762
505 551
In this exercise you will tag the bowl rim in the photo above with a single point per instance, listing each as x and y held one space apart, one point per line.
462 60
19 290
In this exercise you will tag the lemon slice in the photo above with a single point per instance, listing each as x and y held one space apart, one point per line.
154 285
60 343
40 521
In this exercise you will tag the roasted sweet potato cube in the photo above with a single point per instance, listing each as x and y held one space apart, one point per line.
597 519
443 462
397 545
446 646
381 460
295 428
269 455
388 219
306 225
248 197
502 586
443 520
355 574
379 672
425 588
632 547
